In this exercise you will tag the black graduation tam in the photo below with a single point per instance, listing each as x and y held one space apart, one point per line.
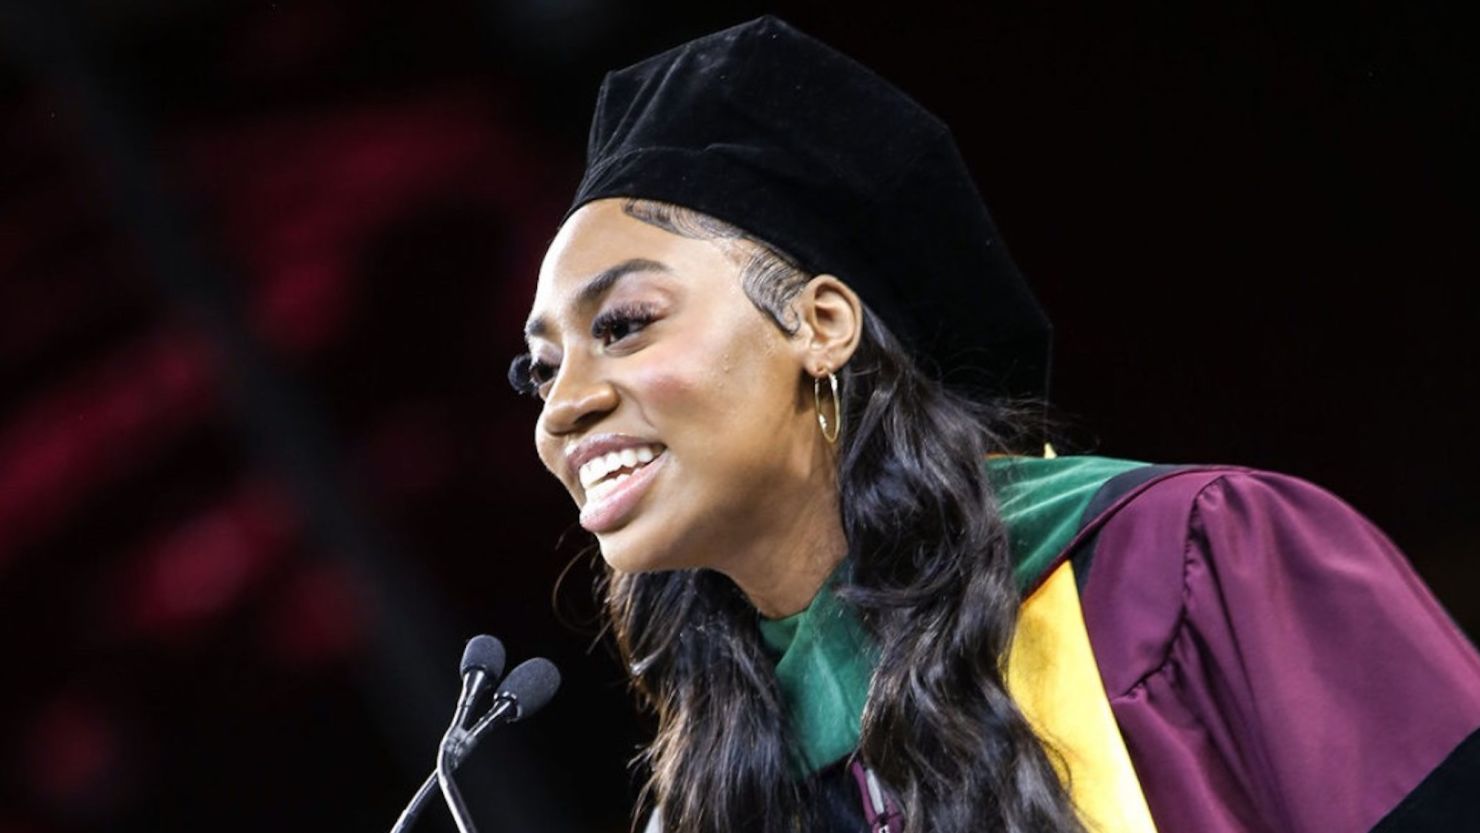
775 132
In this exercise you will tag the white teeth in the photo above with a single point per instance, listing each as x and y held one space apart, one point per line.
600 490
593 473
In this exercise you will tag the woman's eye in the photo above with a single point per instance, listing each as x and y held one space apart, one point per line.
540 373
616 324
527 375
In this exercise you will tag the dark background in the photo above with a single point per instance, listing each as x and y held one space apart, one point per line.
263 265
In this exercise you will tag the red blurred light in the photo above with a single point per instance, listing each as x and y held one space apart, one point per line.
302 199
201 568
92 428
316 619
72 754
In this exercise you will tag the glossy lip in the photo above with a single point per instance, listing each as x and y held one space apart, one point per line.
596 445
614 509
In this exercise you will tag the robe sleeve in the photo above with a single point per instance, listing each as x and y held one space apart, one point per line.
1275 664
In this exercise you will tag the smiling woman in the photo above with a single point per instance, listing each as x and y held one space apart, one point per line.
703 348
793 382
643 341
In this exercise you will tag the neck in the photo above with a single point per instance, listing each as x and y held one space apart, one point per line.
783 572
793 539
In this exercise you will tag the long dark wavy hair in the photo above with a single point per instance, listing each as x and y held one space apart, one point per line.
930 578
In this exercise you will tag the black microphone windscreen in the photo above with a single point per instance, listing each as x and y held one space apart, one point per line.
532 683
485 652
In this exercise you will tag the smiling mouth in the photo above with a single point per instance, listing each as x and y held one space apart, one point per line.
600 475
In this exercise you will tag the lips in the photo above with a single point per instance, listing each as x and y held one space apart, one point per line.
605 470
617 481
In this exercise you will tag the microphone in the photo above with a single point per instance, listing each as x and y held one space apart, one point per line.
482 660
525 691
528 688
483 657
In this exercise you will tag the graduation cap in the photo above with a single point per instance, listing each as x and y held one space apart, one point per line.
775 132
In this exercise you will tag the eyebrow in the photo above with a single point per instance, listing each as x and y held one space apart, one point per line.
597 287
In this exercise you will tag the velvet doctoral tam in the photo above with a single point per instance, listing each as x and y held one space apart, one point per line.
773 131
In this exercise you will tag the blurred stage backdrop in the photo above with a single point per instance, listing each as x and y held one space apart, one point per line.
263 265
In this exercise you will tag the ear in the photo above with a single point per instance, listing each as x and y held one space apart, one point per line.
829 323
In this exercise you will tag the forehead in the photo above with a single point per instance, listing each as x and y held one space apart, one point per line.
599 236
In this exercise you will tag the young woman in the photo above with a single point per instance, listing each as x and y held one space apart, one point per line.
784 361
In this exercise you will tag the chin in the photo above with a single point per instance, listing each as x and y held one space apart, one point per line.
626 561
625 551
629 567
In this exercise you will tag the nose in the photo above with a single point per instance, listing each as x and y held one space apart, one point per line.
577 399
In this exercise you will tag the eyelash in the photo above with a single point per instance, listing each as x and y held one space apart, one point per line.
528 374
634 316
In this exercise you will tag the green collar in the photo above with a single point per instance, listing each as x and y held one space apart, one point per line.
1042 502
826 660
826 656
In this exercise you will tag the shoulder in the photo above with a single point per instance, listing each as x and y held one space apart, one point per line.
1181 546
1260 625
1188 490
1180 503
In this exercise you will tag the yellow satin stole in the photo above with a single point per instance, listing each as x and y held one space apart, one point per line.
1051 673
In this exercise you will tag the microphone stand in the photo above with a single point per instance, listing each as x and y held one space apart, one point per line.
450 792
459 744
525 691
456 736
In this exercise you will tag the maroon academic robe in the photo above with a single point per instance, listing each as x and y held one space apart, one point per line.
1274 664
1271 660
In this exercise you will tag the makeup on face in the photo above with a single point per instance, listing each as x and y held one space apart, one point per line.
671 403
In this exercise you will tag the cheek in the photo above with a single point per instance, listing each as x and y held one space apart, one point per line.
684 380
667 385
729 415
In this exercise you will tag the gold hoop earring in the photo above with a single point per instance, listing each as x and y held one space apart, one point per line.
837 421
